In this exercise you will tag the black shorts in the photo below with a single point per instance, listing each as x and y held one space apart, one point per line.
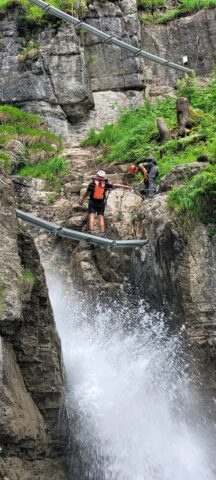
96 206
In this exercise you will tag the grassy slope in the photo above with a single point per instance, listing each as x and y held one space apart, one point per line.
33 12
154 11
39 149
135 135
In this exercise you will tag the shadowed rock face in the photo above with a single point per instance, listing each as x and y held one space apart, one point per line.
111 68
31 375
54 83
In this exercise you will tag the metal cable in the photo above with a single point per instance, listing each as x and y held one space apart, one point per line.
107 38
59 231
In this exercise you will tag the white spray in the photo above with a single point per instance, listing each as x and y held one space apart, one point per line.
135 416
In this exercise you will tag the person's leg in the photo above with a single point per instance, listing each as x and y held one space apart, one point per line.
101 223
91 222
152 187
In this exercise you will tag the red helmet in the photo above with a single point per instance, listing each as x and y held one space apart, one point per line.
132 169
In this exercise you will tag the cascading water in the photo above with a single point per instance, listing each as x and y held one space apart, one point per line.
134 416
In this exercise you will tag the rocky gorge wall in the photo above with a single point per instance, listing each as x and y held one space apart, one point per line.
76 82
192 35
31 371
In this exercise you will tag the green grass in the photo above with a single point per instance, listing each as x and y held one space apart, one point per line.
196 200
32 49
32 12
29 129
5 162
186 7
27 278
15 116
51 170
41 148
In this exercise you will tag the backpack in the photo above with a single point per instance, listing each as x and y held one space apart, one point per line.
99 189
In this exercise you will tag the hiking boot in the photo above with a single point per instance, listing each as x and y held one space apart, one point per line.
102 235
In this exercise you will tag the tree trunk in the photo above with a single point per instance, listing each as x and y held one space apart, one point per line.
182 111
164 131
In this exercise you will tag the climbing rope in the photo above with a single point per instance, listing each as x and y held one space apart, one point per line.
109 39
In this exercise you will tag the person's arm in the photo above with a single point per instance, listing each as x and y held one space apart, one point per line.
143 171
119 185
82 200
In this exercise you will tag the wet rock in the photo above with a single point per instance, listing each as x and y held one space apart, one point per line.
31 372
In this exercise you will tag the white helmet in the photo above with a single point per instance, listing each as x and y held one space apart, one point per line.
101 174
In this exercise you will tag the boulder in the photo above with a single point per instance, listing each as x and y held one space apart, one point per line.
179 174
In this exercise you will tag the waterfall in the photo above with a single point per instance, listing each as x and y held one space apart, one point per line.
135 414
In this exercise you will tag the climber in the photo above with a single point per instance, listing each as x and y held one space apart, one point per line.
97 191
149 172
152 171
140 167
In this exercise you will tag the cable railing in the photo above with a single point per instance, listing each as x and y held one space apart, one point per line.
107 38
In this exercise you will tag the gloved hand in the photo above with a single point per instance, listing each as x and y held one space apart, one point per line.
81 202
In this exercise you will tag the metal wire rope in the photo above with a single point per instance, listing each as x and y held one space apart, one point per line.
107 37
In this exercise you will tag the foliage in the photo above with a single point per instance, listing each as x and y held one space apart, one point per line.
5 162
51 170
27 278
13 115
134 135
41 148
30 131
196 200
32 12
186 7
149 4
31 50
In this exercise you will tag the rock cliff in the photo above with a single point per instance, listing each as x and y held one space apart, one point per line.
31 372
76 82
193 36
